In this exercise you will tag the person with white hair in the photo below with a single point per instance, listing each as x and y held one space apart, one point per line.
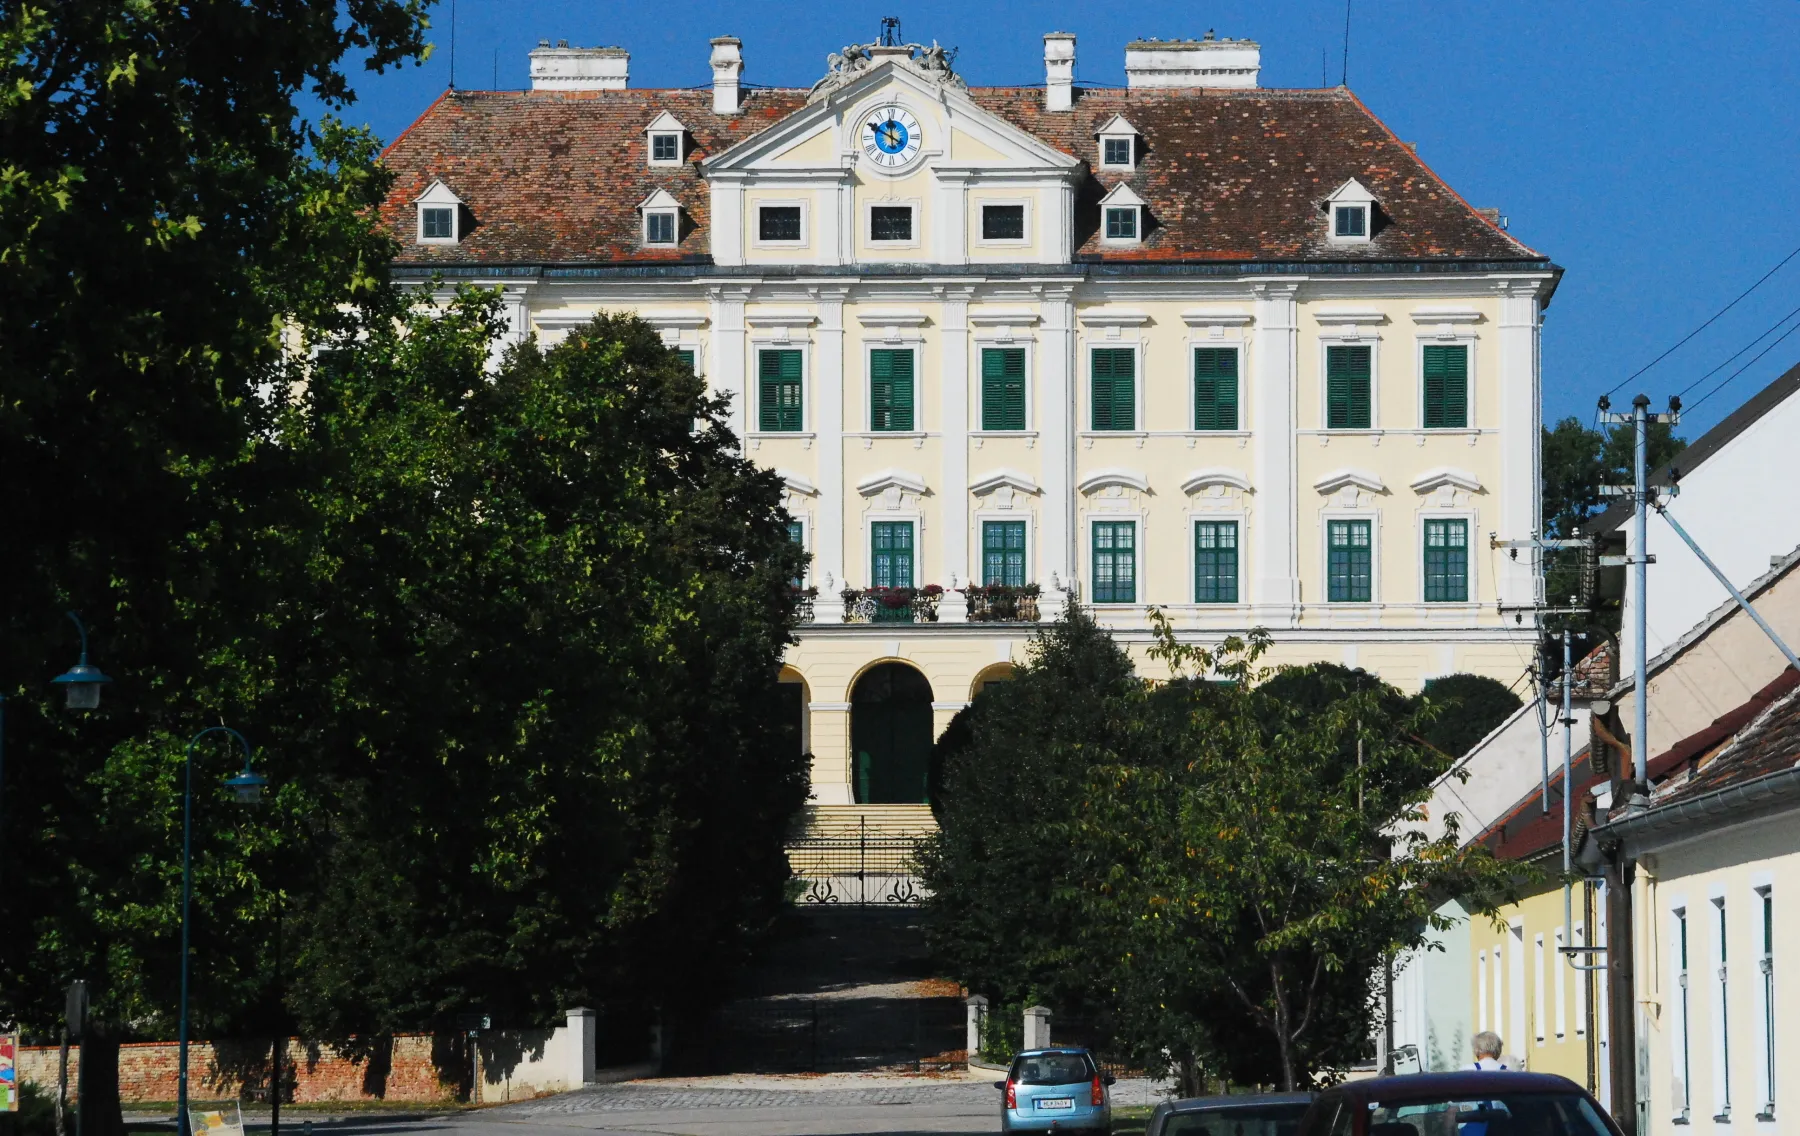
1487 1047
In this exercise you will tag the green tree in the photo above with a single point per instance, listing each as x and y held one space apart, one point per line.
1577 461
1467 707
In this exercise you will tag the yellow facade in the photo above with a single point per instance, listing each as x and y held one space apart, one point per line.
1545 1010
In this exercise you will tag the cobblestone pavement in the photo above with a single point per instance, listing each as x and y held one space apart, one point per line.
648 1097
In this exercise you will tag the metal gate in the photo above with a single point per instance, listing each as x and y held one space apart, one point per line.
830 1035
856 867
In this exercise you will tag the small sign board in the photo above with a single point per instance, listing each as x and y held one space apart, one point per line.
218 1120
9 1072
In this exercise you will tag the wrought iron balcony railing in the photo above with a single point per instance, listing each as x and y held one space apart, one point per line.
998 603
892 605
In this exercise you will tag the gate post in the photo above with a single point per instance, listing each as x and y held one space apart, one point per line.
1037 1027
977 1010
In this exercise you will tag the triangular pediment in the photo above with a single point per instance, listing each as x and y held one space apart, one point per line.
941 109
1118 127
664 123
661 199
437 193
1121 195
1352 192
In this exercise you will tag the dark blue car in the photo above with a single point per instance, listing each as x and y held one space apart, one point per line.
1264 1114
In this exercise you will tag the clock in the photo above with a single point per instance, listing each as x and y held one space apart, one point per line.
890 136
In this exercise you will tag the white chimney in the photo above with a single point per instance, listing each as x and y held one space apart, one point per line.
565 68
728 74
1205 62
1059 71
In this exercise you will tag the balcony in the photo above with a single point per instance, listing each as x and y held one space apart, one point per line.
892 605
803 602
997 603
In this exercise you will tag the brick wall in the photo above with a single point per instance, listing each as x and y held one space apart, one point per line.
413 1068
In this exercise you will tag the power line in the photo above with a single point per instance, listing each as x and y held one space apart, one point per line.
1707 324
1745 367
1682 393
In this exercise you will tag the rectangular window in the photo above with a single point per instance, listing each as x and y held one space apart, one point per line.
1350 570
778 223
1121 223
1679 1092
797 533
686 356
1215 562
778 407
891 554
1114 387
1116 151
1721 1024
1766 896
438 224
891 389
1347 382
890 223
1481 983
1003 553
1446 561
1446 387
665 147
1352 221
1115 561
1540 978
1582 982
1561 962
1002 222
1215 388
659 228
1003 388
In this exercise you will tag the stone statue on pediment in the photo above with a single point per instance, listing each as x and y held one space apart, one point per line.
844 67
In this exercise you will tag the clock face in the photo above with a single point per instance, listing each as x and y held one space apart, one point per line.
890 136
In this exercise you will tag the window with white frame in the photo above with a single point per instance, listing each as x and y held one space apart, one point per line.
664 140
1679 1045
1115 561
1539 979
1560 961
1350 575
1216 562
662 218
1582 979
1765 902
1118 144
891 224
1721 1017
1003 222
1121 217
796 531
1481 989
780 224
1350 222
439 216
1350 214
1121 222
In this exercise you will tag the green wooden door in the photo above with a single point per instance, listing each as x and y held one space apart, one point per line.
891 735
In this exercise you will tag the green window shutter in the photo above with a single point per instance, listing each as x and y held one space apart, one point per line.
1003 388
1447 561
1114 383
1349 562
1003 553
687 357
1347 381
1446 376
1115 561
891 390
1215 562
778 402
1215 388
891 554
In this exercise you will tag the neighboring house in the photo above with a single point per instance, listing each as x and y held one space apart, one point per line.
1232 352
1726 478
1713 917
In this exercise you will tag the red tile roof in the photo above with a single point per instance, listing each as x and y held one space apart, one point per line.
555 177
1767 745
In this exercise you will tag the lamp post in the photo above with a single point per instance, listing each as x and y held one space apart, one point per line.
246 789
81 683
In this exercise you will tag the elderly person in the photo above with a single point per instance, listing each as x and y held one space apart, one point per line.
1487 1047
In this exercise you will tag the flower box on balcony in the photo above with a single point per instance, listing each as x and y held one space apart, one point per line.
892 605
998 603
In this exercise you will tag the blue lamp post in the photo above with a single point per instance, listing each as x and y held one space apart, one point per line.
246 789
81 682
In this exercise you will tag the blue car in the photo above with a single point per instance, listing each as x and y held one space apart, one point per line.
1055 1090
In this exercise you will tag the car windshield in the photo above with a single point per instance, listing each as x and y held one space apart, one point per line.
1053 1069
1262 1120
1503 1114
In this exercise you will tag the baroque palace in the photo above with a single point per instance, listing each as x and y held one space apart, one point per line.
1232 352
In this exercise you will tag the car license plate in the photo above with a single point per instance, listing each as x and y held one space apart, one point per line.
1056 1102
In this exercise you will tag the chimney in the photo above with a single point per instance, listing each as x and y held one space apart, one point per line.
1059 71
565 68
728 74
1205 62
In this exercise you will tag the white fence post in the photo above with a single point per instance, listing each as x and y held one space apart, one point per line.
1037 1027
582 1026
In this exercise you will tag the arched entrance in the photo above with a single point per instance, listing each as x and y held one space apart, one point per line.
890 735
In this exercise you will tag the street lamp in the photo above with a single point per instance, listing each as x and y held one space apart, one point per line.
247 789
81 682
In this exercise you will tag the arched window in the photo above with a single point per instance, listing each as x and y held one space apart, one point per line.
890 735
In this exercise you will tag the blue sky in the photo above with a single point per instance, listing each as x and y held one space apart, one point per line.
1652 150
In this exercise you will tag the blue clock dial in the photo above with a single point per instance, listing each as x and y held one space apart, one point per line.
891 136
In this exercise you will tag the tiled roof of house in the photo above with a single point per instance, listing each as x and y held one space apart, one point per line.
1229 175
1767 745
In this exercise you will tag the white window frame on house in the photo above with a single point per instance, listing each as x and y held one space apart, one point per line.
1121 197
911 205
1721 1010
1444 337
1332 512
1004 339
1349 329
758 206
1540 979
1118 130
1681 1025
913 517
1351 195
778 333
981 207
1515 979
1141 519
989 515
437 196
1468 517
804 520
1762 887
1106 330
664 126
661 204
909 341
1582 1008
1481 989
1239 517
1560 960
1217 329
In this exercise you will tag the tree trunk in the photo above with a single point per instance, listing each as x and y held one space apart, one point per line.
1284 1033
100 1114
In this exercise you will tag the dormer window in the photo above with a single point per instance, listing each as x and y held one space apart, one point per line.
1351 214
666 135
1118 144
662 219
439 216
1121 217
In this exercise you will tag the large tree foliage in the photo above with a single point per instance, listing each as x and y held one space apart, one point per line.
1211 868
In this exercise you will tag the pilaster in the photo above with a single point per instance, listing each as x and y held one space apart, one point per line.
953 373
727 372
1520 508
1275 376
1056 429
828 425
